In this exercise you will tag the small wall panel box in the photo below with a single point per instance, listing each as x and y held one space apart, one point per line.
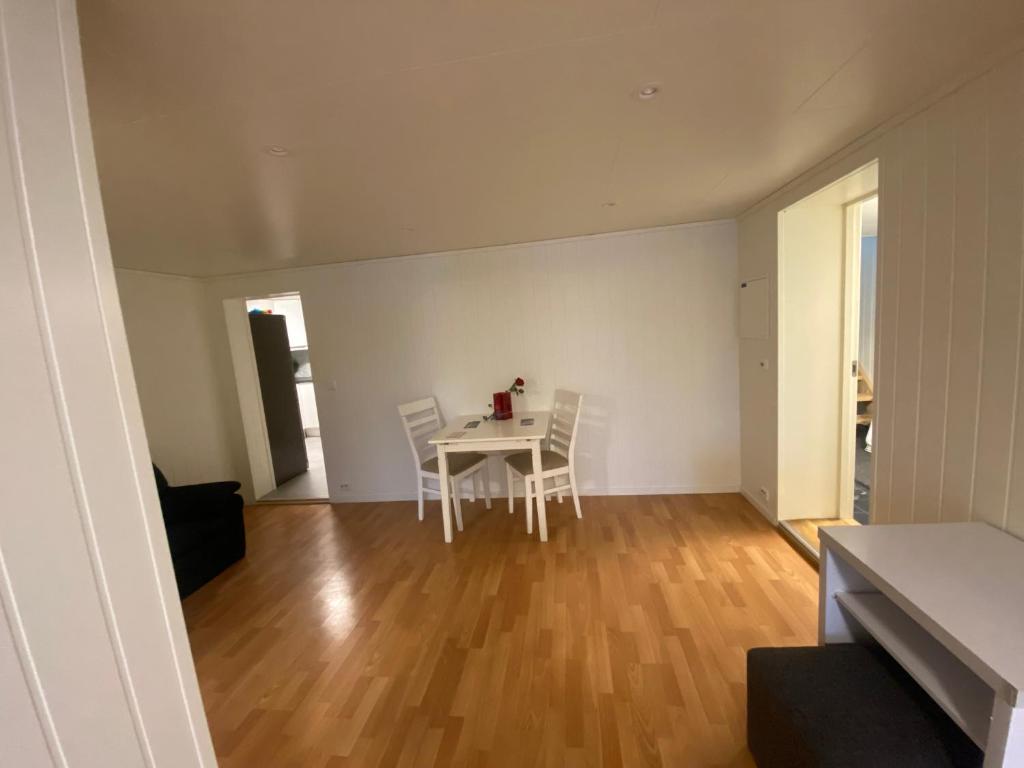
754 308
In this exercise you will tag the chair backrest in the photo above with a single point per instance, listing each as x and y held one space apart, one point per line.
420 420
565 421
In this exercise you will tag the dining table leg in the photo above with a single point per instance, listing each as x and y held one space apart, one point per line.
542 510
446 499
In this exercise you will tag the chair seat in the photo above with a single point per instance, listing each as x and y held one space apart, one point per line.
549 460
457 463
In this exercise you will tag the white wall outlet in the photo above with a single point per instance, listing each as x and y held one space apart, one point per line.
763 365
343 486
764 493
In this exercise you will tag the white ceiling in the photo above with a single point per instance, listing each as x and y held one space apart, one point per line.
422 126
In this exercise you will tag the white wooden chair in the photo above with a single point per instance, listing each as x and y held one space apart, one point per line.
558 460
421 419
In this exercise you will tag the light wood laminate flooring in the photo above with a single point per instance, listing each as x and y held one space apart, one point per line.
351 635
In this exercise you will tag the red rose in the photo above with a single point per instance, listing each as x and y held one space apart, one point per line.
519 382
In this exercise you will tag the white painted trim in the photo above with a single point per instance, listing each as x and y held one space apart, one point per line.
666 490
850 347
839 193
431 254
798 540
661 490
250 398
780 365
169 275
479 250
757 504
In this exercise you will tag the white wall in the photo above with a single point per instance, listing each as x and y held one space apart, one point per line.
643 323
170 325
950 256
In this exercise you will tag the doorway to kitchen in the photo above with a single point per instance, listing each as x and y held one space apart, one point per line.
274 375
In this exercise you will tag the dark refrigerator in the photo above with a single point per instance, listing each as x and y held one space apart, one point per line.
280 398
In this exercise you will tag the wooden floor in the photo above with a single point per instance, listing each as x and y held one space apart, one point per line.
807 530
353 636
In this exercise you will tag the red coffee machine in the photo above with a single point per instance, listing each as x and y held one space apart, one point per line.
502 405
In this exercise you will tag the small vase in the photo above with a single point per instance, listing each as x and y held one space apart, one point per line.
502 405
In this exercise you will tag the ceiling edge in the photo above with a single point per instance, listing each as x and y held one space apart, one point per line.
156 273
986 65
438 254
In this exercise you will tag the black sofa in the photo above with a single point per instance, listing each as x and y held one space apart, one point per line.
205 529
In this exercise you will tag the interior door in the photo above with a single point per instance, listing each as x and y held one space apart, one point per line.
280 398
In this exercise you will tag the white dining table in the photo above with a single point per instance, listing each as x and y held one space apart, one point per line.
525 431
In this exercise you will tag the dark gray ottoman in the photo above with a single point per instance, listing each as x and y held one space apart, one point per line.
846 706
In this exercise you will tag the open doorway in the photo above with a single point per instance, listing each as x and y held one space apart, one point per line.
862 243
274 375
826 309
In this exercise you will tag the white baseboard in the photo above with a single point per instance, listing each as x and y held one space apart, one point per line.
798 541
359 498
354 497
659 490
757 504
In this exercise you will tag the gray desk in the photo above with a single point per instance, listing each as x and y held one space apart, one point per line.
947 602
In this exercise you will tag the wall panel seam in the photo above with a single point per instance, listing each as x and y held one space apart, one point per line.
898 261
949 329
920 327
1016 387
983 311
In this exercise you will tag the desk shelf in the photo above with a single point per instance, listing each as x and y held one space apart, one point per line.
964 696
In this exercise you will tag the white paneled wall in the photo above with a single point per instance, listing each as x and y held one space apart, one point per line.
95 666
952 252
643 323
949 442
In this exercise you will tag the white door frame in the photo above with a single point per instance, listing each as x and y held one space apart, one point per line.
856 186
250 397
850 350
95 665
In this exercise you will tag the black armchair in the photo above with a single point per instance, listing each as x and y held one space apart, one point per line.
205 529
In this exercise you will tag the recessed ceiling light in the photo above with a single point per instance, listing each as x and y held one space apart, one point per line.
609 204
277 150
648 91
